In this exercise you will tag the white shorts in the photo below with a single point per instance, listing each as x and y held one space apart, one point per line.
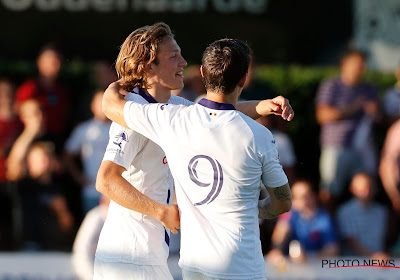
129 271
190 275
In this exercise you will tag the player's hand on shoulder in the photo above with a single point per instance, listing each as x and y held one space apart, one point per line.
171 219
116 87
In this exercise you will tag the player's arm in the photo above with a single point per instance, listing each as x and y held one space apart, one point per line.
389 167
150 120
277 106
113 104
278 202
389 173
111 184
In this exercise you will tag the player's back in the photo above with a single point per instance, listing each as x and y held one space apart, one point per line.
218 157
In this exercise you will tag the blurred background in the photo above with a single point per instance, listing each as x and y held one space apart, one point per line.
57 57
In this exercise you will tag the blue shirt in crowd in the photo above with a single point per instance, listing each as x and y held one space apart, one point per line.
315 233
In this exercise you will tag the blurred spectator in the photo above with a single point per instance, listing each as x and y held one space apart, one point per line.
10 127
306 223
46 88
389 169
345 110
287 157
391 99
34 130
86 240
194 86
362 221
46 220
88 141
254 89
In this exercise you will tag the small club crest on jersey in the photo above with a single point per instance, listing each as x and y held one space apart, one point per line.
120 138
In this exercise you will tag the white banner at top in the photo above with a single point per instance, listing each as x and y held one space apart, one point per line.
149 6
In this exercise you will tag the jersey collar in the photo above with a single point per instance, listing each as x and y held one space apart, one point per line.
216 105
145 95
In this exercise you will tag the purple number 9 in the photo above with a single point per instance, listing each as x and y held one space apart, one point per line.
218 178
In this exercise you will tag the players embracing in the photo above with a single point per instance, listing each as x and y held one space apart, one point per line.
217 155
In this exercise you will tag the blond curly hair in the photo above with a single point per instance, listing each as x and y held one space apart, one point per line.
138 50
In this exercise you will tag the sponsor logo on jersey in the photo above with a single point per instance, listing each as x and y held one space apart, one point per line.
120 138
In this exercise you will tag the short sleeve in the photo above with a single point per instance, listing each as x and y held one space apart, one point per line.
273 175
151 120
123 145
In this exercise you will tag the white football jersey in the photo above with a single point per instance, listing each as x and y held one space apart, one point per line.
218 158
129 236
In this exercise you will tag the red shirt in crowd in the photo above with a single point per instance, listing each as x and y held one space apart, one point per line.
54 102
9 130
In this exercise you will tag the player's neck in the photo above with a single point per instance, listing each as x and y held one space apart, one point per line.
160 94
231 98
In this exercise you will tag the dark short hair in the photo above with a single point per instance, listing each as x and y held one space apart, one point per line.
224 63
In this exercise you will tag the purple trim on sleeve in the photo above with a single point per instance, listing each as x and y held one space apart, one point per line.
216 105
145 95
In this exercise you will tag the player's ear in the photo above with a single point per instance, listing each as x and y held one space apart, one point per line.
201 71
242 81
149 68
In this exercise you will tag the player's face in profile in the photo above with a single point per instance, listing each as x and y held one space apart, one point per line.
168 72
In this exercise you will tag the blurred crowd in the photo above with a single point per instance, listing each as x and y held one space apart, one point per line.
48 167
341 215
